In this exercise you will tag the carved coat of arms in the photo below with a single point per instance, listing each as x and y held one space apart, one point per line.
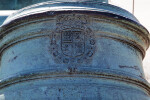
72 41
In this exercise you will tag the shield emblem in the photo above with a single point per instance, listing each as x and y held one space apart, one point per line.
72 43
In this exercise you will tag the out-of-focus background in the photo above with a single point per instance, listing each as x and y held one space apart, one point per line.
142 13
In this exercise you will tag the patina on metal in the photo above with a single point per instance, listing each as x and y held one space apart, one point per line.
73 50
18 4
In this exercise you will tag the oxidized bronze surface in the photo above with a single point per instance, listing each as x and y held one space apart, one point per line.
73 41
73 51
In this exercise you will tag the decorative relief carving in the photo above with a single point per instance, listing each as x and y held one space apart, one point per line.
73 41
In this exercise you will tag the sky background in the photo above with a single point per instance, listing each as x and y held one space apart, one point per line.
142 12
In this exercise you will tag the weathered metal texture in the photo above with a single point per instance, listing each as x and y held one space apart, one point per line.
73 51
2 18
4 14
18 4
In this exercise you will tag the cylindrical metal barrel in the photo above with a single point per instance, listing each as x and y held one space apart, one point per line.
18 4
64 50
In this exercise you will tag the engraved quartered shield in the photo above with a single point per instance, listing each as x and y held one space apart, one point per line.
72 43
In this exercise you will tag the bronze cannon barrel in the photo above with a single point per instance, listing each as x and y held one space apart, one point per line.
73 50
